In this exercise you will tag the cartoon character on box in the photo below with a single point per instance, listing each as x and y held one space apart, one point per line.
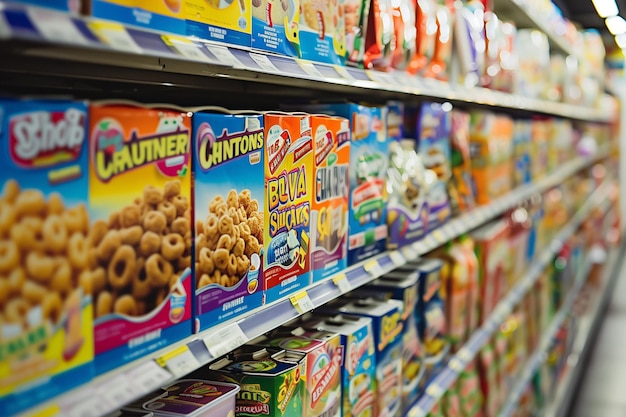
229 213
286 235
46 340
228 21
322 31
162 15
275 26
139 193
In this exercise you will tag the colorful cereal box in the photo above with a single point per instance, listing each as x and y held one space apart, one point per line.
433 133
387 324
460 185
331 184
139 193
219 20
275 26
522 143
322 31
271 381
163 15
46 338
356 17
229 213
288 169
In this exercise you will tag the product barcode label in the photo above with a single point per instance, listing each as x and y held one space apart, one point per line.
116 36
225 340
186 48
224 56
302 302
341 281
180 361
264 62
374 268
310 69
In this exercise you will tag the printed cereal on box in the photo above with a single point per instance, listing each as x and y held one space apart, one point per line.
229 201
322 31
140 192
287 239
46 340
275 26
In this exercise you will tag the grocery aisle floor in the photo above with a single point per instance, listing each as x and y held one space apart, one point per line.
602 390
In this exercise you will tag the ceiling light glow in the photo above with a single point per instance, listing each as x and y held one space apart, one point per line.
605 8
616 25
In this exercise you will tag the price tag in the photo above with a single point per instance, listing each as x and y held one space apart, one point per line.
409 252
117 391
343 72
149 375
465 355
416 412
341 281
264 62
302 302
180 361
225 339
310 69
456 365
55 26
186 48
439 236
116 36
397 258
224 56
435 391
374 268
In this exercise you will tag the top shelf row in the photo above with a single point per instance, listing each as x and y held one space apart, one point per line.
172 59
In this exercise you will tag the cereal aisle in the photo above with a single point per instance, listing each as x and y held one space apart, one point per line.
297 208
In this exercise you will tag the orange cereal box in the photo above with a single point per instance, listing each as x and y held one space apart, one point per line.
288 167
139 192
331 192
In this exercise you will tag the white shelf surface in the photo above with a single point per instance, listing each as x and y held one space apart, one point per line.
449 374
54 35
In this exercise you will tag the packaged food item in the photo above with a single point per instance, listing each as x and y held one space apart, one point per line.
471 262
539 148
275 26
141 237
229 227
408 210
191 397
161 15
560 143
519 226
387 323
379 42
433 132
396 112
426 28
331 184
46 333
533 50
321 369
270 380
219 20
460 188
506 77
469 42
522 143
404 14
470 396
356 14
323 31
488 368
440 62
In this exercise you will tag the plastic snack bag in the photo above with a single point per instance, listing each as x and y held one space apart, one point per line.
355 15
379 45
426 25
405 33
438 66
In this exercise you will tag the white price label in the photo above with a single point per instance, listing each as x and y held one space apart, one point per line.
116 36
434 391
264 62
55 26
456 365
225 339
224 56
410 253
310 69
180 361
302 302
343 72
341 281
374 268
397 258
186 48
149 375
465 355
118 391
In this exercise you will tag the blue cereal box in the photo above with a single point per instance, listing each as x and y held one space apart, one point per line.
433 131
46 339
275 26
229 215
322 31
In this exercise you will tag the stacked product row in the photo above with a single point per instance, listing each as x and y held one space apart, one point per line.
103 254
373 351
408 35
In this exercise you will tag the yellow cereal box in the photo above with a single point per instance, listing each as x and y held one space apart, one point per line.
228 21
287 239
164 15
140 192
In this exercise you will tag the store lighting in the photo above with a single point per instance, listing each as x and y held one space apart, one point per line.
616 25
605 8
620 40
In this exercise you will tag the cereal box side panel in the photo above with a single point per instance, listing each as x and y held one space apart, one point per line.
329 218
47 342
140 192
287 241
324 379
275 26
220 20
152 14
369 155
322 31
389 363
229 216
359 381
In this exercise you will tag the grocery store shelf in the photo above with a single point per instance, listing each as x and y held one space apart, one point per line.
144 375
448 375
43 41
524 16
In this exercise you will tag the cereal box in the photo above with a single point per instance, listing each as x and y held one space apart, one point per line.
322 31
275 26
433 133
270 379
219 20
139 192
321 369
329 216
286 234
229 215
522 143
387 325
460 185
163 15
356 14
46 339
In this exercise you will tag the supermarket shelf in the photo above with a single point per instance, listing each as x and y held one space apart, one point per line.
588 326
43 41
144 375
448 375
524 16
